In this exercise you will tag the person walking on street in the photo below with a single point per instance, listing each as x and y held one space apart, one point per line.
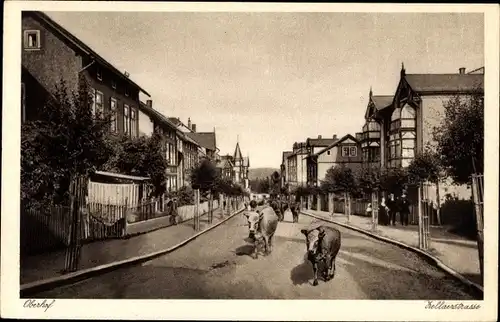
404 209
392 208
383 213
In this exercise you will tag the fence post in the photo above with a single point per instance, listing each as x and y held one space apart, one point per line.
196 209
348 204
210 207
477 195
374 210
318 202
331 210
124 214
420 217
77 197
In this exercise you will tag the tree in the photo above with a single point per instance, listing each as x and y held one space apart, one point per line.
426 166
394 180
369 179
141 156
204 175
460 137
339 179
68 140
275 184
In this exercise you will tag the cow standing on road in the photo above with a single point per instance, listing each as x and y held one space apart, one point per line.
276 205
295 209
323 245
262 225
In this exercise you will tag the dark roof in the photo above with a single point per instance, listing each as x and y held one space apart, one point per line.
345 137
382 101
81 46
237 151
445 83
204 139
151 112
320 142
174 120
162 119
286 154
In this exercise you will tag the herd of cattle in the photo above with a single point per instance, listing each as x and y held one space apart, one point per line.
322 243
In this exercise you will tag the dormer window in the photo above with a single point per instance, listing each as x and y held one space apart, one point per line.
99 74
31 39
127 91
113 84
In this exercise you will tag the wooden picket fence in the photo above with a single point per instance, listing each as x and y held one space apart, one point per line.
44 229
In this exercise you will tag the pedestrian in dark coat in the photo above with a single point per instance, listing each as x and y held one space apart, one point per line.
392 209
404 209
382 213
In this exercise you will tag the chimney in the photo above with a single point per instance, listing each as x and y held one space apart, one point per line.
461 70
319 136
334 136
149 103
193 127
189 123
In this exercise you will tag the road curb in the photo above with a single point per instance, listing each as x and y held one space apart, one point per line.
434 260
35 287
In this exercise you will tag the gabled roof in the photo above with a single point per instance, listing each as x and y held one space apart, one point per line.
286 154
345 137
237 152
320 142
175 121
78 44
154 114
378 102
445 83
204 139
162 119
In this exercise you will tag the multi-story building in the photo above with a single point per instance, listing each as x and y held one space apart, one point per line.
370 136
284 167
297 166
406 125
314 146
50 53
235 167
170 142
206 140
343 152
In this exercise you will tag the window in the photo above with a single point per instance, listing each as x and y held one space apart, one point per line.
114 115
31 39
99 73
113 84
349 151
127 91
23 103
126 119
133 122
328 152
98 103
408 118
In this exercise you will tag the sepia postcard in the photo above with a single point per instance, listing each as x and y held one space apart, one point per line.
290 161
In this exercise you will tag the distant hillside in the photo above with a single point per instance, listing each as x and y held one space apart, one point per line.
255 173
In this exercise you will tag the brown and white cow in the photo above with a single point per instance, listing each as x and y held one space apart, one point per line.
323 244
262 224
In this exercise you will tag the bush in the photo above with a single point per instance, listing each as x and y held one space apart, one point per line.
68 140
459 215
185 196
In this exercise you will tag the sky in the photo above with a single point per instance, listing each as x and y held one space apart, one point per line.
272 79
